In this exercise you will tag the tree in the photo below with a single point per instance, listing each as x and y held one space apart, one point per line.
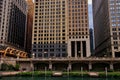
17 66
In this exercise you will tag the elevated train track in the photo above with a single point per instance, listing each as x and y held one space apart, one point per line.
12 52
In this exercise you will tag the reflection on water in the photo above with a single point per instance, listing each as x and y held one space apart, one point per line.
54 78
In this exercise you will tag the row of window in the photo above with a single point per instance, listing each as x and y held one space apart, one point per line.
79 25
51 34
115 24
50 54
49 9
51 30
62 20
59 39
52 46
50 42
51 16
63 38
78 37
57 24
49 2
115 29
78 33
50 50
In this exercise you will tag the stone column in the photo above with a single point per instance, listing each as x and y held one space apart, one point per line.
111 66
69 66
90 65
17 56
81 54
50 65
113 53
69 48
88 48
75 49
31 66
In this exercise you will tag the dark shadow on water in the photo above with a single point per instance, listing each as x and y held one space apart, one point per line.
55 78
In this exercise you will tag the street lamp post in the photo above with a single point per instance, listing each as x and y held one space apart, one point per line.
45 72
18 56
43 55
32 66
68 72
79 54
81 71
0 61
106 71
33 55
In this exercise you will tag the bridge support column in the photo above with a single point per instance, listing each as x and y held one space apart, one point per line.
18 56
90 66
31 66
69 66
50 66
111 66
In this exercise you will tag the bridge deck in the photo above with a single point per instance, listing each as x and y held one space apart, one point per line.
61 59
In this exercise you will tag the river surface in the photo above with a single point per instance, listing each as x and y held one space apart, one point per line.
54 78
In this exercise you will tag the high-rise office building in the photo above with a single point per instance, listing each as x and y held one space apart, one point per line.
107 27
29 25
60 28
13 22
91 41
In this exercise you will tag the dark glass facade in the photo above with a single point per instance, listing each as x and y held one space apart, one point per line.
107 27
17 23
13 23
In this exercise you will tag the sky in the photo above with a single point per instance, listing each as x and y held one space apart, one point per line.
90 14
89 1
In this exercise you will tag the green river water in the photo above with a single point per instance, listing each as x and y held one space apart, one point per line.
55 78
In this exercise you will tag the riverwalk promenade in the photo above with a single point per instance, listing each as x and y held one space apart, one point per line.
9 73
91 63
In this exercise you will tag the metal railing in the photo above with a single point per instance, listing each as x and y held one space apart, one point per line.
61 59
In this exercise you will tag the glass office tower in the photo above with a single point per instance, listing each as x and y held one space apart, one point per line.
107 27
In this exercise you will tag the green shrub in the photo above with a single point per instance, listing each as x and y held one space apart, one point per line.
17 66
10 67
4 67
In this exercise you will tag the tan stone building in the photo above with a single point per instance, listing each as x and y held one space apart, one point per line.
107 27
60 28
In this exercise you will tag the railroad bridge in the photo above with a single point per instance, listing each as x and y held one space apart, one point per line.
12 52
64 64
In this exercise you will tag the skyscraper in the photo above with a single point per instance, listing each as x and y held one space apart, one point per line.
60 28
13 22
107 27
29 25
91 41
